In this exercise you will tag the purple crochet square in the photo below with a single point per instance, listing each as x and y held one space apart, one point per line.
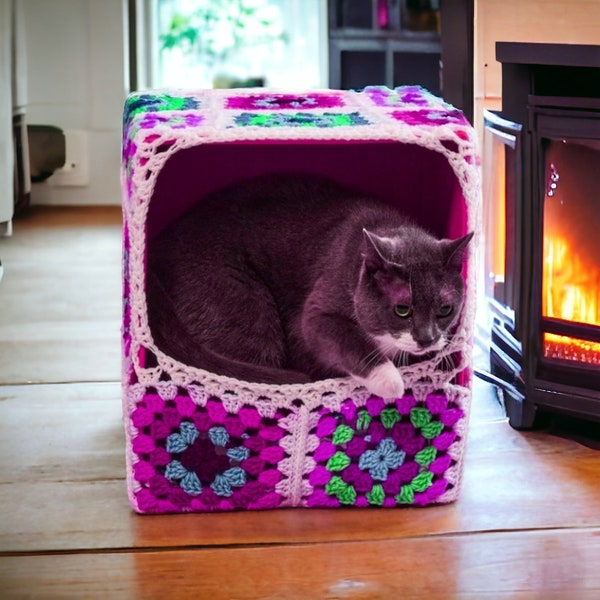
384 455
432 117
148 111
267 101
173 121
400 96
193 458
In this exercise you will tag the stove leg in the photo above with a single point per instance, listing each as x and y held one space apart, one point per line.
521 414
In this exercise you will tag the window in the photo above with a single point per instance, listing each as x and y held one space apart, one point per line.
232 43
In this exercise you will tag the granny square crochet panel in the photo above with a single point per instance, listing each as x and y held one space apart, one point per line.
197 441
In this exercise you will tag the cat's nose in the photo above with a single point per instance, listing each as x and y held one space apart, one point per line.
426 338
427 342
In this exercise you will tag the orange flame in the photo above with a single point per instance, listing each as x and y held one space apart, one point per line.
571 293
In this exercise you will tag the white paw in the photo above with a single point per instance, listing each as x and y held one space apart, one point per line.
384 381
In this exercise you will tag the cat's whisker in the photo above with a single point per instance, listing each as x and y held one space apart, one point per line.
446 363
442 363
376 356
394 353
404 358
371 358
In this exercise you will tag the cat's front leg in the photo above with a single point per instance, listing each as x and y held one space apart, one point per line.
339 344
384 381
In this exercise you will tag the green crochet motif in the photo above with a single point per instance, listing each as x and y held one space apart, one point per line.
422 481
432 430
377 495
347 467
406 495
338 462
343 491
140 103
426 456
363 421
419 484
389 417
420 417
342 435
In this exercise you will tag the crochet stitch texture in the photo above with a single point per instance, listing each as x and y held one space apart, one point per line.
197 441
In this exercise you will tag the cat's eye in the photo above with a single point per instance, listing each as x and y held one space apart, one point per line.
445 310
402 310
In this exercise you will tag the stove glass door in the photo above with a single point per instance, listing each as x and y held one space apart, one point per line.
571 250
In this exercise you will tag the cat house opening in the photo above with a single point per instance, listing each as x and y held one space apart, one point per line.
416 181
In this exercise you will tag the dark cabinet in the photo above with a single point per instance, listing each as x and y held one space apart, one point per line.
403 42
384 42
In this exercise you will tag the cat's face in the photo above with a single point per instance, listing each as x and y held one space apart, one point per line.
411 291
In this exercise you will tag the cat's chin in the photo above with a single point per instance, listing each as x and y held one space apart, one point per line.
424 351
391 345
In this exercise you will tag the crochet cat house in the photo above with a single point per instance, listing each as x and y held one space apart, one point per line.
197 441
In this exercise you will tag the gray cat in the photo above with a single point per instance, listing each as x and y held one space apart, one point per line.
292 278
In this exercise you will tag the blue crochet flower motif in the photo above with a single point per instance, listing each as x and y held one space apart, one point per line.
205 461
379 461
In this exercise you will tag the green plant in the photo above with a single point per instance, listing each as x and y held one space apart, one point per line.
218 28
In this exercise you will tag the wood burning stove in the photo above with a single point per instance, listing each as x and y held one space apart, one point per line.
542 230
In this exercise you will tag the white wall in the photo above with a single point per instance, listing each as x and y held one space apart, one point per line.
76 75
6 146
551 21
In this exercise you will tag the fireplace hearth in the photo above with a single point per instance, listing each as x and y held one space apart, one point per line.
541 178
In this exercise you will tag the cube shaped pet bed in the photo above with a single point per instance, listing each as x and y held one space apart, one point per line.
198 441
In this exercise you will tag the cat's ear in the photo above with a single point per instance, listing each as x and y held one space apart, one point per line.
454 251
375 250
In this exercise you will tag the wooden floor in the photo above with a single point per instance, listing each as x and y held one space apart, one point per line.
527 524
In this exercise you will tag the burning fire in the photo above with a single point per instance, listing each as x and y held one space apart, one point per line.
569 348
571 293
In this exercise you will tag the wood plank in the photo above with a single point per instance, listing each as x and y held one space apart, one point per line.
61 433
79 356
61 297
74 217
553 564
